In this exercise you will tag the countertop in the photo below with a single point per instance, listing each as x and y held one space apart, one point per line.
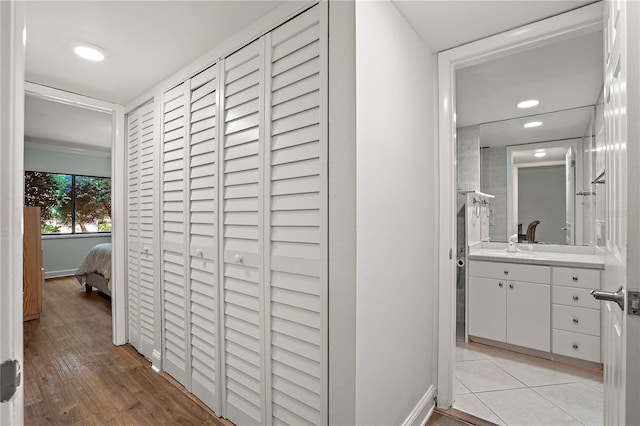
548 258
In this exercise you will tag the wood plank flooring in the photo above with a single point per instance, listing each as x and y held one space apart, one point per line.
74 374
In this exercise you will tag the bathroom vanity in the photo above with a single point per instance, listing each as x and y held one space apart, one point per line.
536 300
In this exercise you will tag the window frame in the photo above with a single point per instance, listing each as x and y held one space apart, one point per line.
73 232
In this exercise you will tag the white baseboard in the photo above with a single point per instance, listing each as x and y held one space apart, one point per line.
156 361
422 411
58 274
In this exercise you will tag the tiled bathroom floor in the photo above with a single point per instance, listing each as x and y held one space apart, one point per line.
511 389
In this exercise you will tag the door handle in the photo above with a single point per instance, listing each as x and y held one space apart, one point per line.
608 296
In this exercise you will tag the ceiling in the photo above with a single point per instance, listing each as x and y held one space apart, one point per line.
48 123
147 41
144 41
445 24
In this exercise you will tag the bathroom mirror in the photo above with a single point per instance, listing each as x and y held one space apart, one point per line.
537 162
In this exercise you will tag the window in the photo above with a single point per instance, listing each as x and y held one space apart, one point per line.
70 204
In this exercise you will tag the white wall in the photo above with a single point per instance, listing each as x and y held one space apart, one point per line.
396 216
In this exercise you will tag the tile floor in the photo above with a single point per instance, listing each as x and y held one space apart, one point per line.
511 389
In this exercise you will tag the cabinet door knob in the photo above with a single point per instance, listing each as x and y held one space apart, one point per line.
500 284
506 272
575 320
574 278
575 346
510 285
237 258
576 298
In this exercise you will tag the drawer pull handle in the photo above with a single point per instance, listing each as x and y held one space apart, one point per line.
576 298
575 320
510 285
574 278
575 346
506 272
500 284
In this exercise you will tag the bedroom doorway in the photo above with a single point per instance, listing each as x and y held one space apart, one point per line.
73 162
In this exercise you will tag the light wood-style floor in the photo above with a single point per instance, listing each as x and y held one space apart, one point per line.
74 374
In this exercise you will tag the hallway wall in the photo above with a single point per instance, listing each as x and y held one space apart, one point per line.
396 216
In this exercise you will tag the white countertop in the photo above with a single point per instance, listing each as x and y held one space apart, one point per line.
548 258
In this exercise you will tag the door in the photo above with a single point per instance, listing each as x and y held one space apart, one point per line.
11 202
140 228
241 229
621 236
570 195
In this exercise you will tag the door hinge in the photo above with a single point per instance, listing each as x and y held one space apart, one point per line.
9 379
573 163
435 398
450 254
633 303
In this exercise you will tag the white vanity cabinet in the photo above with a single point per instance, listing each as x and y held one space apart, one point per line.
546 308
514 310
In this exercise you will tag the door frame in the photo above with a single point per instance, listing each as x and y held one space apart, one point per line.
118 191
12 64
579 21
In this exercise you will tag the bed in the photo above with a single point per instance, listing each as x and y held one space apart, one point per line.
95 269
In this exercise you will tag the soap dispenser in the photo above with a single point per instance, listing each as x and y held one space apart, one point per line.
512 248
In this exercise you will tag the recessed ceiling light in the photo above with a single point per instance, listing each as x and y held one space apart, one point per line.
540 154
530 103
532 124
90 53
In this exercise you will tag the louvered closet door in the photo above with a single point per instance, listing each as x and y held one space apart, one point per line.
174 258
297 219
133 227
147 207
241 248
140 211
203 250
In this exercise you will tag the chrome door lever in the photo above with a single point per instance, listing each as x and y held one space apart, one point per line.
608 296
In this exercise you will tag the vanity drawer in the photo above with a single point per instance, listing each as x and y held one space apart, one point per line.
580 320
510 271
575 277
574 296
576 345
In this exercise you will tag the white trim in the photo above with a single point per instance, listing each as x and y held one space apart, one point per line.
59 274
118 194
65 147
156 360
580 21
255 30
12 33
423 410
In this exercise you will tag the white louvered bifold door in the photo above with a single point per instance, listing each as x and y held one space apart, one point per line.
174 258
296 231
140 238
203 250
147 206
241 229
133 227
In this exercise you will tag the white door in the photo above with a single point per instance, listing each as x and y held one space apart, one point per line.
241 229
140 228
174 232
620 344
570 195
203 302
